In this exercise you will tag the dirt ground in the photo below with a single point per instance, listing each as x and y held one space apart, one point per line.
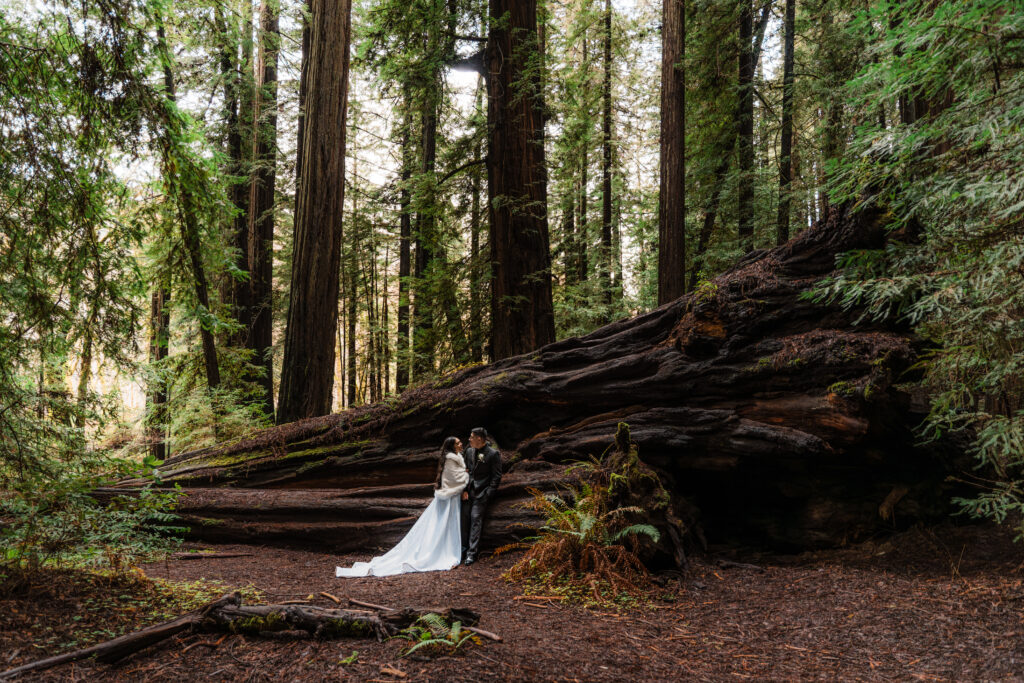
941 604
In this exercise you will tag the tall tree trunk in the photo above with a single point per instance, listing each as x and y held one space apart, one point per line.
583 225
424 345
382 330
672 194
476 275
307 371
350 336
303 88
187 218
159 343
606 160
786 158
261 225
745 128
404 256
522 313
721 174
236 293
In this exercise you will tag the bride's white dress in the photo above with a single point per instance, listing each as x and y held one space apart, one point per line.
435 541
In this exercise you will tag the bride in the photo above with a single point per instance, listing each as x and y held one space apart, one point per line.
435 540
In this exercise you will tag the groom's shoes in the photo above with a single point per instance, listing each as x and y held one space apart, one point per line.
469 560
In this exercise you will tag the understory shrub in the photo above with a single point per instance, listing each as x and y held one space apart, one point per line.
592 536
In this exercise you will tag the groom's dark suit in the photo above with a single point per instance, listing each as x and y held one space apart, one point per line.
484 466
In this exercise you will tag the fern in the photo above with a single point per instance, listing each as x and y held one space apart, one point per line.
640 530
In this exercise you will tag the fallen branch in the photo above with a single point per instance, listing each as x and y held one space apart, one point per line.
539 597
228 615
382 608
121 647
205 643
481 632
331 597
207 556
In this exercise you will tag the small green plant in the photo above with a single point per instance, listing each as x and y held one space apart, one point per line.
706 290
351 659
584 538
433 635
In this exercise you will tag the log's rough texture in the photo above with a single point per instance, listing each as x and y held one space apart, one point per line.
777 417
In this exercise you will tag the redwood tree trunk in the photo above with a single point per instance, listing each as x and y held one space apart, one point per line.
308 370
672 194
786 153
235 292
522 315
404 256
424 337
606 160
745 128
159 328
476 271
261 226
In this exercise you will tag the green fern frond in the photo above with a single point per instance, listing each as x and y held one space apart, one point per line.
436 623
638 529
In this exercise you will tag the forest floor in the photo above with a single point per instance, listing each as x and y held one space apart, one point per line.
926 604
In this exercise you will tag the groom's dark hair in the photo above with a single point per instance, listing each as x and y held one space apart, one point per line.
481 432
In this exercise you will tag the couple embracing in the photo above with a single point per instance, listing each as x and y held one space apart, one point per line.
448 531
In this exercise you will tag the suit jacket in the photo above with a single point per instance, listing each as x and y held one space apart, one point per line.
484 472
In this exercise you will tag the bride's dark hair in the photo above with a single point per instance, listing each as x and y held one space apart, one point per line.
447 447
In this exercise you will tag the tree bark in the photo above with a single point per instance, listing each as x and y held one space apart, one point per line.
786 158
350 337
672 193
159 339
307 370
777 417
303 88
261 200
404 254
424 338
236 292
477 278
745 128
522 313
606 160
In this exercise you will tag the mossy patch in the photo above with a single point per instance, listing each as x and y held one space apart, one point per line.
341 628
252 625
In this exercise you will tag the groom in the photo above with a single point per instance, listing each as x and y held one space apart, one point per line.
484 465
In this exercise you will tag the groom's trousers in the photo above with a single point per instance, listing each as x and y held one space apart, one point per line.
473 511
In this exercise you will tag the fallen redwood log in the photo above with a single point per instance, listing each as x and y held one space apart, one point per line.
229 615
779 418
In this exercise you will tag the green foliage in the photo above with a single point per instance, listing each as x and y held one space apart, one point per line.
59 524
583 541
949 177
435 636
